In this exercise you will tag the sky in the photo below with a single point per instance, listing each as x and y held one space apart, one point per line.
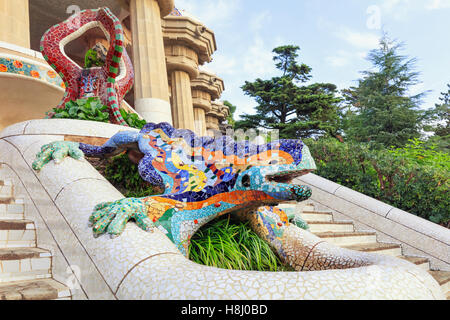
334 36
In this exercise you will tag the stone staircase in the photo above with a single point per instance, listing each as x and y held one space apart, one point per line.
342 233
25 269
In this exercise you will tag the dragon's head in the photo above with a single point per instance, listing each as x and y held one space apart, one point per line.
274 172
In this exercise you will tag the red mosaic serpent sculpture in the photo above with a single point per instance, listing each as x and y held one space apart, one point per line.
106 82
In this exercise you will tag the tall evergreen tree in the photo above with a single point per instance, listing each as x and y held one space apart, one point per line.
284 103
441 115
439 122
381 109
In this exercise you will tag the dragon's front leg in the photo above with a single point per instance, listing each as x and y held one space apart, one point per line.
58 150
112 217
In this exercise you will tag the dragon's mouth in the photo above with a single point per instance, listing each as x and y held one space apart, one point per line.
286 176
286 188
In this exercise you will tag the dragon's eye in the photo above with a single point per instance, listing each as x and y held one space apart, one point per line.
246 181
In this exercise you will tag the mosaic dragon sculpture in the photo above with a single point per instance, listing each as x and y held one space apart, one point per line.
104 82
203 178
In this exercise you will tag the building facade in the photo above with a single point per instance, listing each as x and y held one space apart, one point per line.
168 49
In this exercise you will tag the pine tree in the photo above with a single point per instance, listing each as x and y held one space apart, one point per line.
381 110
439 122
285 104
441 115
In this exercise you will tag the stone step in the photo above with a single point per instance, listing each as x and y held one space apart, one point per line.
17 264
390 249
316 216
309 207
17 233
348 238
46 289
12 211
424 263
6 199
443 278
6 189
324 226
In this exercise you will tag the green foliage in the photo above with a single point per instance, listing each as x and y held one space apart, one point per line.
84 109
132 119
124 175
439 122
91 59
296 110
92 109
380 110
400 177
230 118
227 244
423 153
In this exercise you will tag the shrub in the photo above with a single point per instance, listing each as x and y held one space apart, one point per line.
83 109
91 59
132 119
423 153
92 109
124 175
400 177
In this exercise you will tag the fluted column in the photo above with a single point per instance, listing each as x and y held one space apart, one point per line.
205 88
188 44
216 116
15 22
182 64
151 82
202 105
200 121
183 113
212 124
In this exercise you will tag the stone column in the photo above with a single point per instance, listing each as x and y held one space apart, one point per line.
182 65
216 116
151 82
15 22
205 88
182 111
188 44
200 121
202 105
212 124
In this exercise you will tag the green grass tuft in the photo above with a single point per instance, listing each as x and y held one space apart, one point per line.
228 244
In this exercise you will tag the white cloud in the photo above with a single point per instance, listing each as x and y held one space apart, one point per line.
400 9
344 58
437 4
211 13
363 40
222 64
258 59
341 59
257 21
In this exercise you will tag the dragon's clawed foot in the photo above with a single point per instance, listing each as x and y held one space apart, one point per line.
57 151
112 217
